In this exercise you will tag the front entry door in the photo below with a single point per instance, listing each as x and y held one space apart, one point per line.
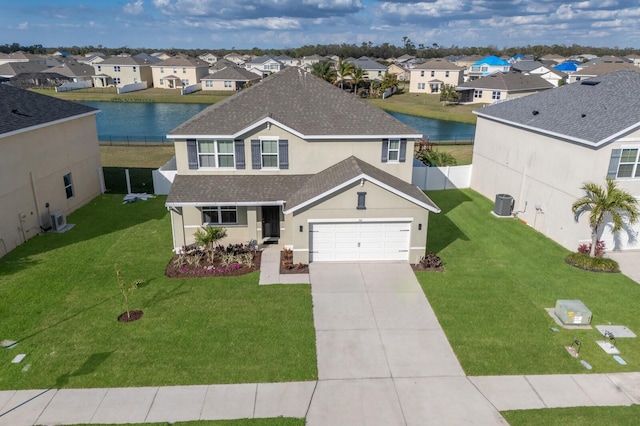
271 222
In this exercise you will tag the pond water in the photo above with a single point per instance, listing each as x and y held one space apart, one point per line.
150 122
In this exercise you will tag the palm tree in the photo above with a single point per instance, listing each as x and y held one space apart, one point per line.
389 80
358 76
449 94
324 70
600 202
344 70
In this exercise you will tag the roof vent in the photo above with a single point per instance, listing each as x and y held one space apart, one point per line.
583 115
535 112
589 82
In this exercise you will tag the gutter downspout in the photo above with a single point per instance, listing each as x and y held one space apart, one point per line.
35 199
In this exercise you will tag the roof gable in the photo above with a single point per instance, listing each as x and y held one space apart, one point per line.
297 100
590 114
509 81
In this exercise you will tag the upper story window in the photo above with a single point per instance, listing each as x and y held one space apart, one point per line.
116 68
216 153
99 68
422 73
485 69
446 73
269 153
220 215
629 166
433 73
184 70
161 70
134 69
394 150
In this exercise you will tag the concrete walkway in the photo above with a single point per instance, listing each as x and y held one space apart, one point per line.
383 359
629 262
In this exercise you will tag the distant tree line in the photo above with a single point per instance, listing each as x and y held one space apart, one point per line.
344 50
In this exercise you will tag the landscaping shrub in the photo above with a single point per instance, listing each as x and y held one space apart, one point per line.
595 264
586 249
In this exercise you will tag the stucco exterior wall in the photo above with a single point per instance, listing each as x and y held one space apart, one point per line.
455 78
32 166
308 157
380 204
543 174
193 74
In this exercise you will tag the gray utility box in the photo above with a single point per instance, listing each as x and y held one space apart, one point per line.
572 312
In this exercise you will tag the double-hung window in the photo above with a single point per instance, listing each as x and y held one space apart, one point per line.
421 73
629 166
227 84
216 153
495 95
208 83
446 74
116 68
477 93
220 215
433 73
269 153
421 86
68 185
393 150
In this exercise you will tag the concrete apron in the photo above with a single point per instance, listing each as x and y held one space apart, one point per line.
383 358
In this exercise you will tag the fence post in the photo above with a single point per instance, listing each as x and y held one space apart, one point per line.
126 174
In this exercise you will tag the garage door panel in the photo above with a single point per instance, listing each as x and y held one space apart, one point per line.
365 241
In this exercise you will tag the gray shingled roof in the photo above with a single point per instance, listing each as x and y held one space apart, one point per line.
233 73
15 68
127 60
526 66
293 190
21 109
203 189
606 67
584 112
438 64
509 81
299 100
181 61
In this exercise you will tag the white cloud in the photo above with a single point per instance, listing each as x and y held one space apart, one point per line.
134 8
23 26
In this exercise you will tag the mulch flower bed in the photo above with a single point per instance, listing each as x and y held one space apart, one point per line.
288 267
131 316
204 268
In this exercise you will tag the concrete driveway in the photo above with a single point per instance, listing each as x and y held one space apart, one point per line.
383 358
629 261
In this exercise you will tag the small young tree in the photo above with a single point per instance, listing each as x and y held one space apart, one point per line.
600 202
126 289
208 236
449 94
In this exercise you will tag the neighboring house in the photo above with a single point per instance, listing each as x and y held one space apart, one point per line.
12 69
634 59
288 61
44 80
399 71
405 60
235 58
49 162
74 70
487 66
600 68
548 73
605 59
264 65
308 61
121 70
229 79
501 86
542 148
553 57
178 72
161 55
222 64
209 58
91 60
298 161
373 70
148 58
567 67
431 76
22 57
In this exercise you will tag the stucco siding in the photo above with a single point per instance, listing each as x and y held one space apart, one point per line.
36 162
380 204
543 174
308 157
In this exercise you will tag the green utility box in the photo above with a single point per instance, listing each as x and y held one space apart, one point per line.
572 312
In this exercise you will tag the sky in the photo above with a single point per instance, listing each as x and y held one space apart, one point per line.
278 24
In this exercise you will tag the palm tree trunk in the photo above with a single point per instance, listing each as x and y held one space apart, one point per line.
594 241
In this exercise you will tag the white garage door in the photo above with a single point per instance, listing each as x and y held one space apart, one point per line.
359 241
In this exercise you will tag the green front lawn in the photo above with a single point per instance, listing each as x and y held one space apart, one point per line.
427 105
582 416
500 276
281 421
59 298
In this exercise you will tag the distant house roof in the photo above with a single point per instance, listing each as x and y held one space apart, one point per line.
148 58
221 64
181 61
262 59
72 68
492 60
11 69
607 59
21 110
367 64
567 66
128 60
438 64
233 73
570 113
306 105
606 67
509 81
526 66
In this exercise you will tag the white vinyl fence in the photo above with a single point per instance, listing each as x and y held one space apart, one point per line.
74 85
190 89
436 178
133 87
163 177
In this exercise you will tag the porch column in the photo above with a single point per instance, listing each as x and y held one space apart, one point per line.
252 223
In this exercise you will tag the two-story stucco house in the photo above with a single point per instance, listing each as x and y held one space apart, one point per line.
178 72
432 75
296 160
49 162
264 65
122 70
542 148
486 66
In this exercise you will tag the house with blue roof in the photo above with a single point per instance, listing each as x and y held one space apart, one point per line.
567 66
486 66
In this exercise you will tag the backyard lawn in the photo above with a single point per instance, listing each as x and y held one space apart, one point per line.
59 298
500 276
